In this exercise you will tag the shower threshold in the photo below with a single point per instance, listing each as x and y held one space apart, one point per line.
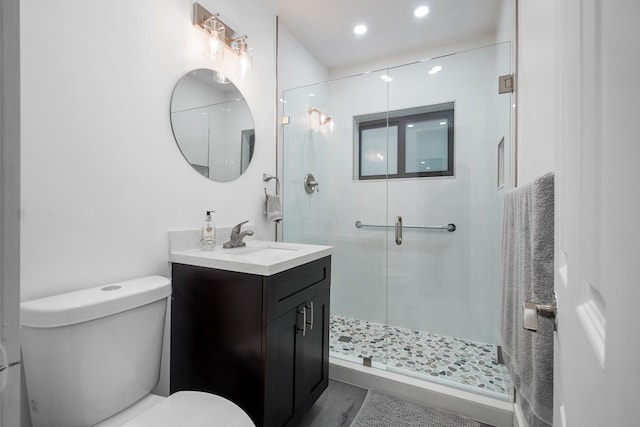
464 364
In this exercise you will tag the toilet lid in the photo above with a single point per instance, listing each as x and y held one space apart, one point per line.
193 409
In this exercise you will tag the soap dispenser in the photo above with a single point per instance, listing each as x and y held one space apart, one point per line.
208 233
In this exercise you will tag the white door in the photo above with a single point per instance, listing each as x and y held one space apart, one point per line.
597 350
9 208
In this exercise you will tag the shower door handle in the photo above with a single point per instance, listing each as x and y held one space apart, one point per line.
398 230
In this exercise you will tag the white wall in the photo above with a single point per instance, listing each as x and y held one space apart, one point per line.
102 177
537 87
297 65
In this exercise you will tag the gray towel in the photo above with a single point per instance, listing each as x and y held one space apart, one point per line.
527 275
274 208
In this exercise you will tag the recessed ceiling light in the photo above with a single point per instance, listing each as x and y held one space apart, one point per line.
435 69
421 11
386 78
360 29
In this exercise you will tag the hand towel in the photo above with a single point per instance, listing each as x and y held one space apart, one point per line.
527 275
274 208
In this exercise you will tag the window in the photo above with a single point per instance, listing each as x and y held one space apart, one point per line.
409 143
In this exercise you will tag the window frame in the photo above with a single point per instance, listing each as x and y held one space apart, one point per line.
401 121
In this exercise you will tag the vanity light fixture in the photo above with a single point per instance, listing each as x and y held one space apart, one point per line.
220 36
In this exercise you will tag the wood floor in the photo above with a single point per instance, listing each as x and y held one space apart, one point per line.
337 407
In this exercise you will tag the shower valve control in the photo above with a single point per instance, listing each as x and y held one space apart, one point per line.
310 184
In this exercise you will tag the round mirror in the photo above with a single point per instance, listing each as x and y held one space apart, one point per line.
212 124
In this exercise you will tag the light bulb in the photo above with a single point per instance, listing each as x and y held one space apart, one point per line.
360 29
245 57
421 11
214 48
215 30
245 63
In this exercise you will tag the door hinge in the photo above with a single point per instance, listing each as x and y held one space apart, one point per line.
505 83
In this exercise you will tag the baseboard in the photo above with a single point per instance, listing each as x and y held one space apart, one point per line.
481 408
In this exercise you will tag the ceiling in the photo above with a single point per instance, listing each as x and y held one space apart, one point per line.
326 26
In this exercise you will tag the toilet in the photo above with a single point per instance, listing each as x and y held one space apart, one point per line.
92 357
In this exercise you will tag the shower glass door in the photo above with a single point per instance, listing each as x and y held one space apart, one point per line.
394 153
313 144
443 286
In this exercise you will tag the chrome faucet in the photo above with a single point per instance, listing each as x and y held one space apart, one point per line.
235 239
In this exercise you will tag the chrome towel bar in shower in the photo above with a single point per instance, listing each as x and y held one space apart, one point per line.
448 227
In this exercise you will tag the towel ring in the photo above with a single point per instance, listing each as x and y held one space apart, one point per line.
266 178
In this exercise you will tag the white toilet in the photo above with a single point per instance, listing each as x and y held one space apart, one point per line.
92 357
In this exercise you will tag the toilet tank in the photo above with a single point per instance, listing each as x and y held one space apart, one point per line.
89 354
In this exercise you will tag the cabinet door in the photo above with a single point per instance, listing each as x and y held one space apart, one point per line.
284 346
313 367
217 334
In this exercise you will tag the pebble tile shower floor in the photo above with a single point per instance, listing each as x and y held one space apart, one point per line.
466 364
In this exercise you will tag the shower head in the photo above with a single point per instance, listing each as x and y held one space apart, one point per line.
323 118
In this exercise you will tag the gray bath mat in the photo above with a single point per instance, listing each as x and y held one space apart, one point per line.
382 410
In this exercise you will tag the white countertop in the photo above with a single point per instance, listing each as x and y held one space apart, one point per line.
259 257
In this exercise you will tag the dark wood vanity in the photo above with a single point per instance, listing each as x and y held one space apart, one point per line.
259 341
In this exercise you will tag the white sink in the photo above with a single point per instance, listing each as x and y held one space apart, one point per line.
257 257
261 249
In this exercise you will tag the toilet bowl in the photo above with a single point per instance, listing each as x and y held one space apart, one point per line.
92 357
184 409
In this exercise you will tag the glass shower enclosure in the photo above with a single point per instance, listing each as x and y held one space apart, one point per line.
410 165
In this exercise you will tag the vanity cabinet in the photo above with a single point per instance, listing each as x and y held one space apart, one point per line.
259 341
